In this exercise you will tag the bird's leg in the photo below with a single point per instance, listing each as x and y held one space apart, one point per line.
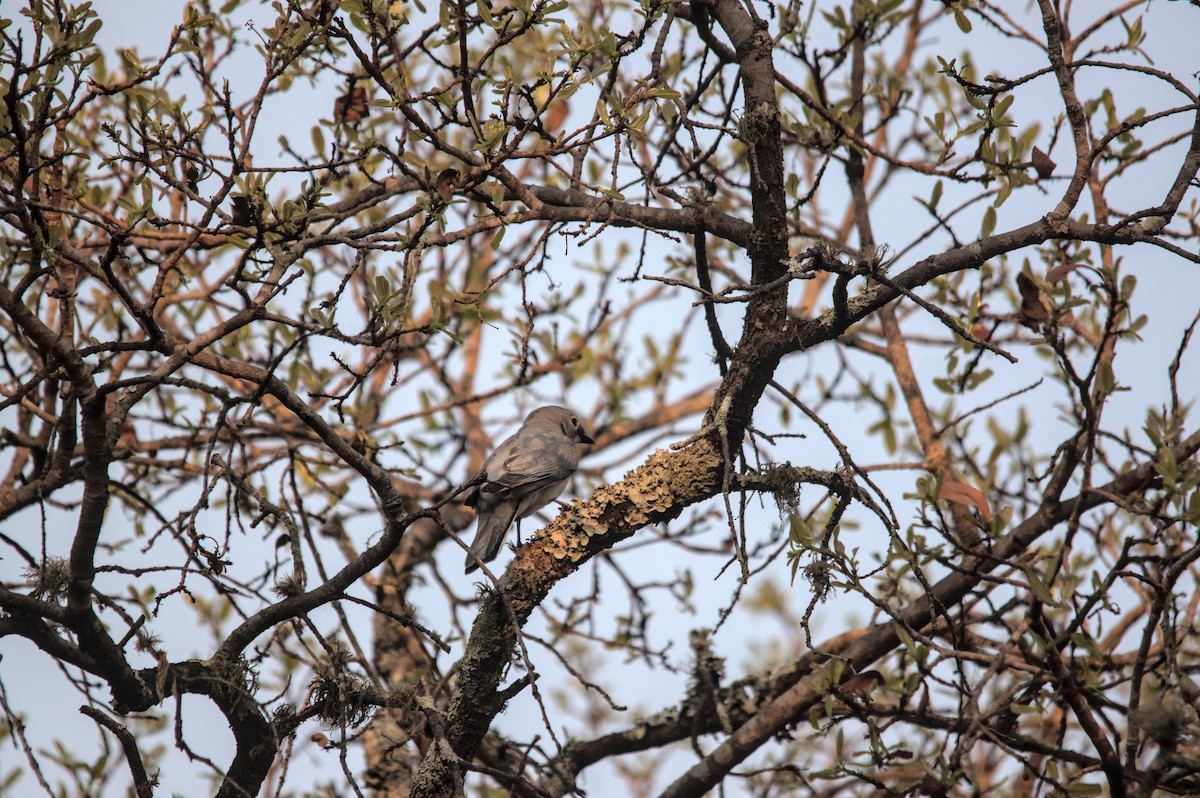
518 531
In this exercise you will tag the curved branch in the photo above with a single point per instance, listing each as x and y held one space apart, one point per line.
227 682
137 769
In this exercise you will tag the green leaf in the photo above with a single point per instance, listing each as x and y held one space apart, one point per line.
1003 193
989 223
1039 587
961 20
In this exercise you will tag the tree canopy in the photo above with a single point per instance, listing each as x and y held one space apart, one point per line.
878 311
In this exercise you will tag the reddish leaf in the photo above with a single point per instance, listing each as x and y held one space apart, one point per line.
351 107
1060 271
961 493
861 683
556 115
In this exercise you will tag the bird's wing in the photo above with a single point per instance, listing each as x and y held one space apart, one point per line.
530 462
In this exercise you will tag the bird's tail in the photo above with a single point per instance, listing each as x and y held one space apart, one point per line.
491 527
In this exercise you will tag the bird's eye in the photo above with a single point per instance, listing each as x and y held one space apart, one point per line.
574 421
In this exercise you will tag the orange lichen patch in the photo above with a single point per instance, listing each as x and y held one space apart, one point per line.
655 491
565 541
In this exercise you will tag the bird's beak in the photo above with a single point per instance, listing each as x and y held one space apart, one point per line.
583 436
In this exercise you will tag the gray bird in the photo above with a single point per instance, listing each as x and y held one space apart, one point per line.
523 475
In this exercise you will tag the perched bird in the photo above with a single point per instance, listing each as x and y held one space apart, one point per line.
523 475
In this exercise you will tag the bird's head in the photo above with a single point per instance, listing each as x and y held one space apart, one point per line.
566 420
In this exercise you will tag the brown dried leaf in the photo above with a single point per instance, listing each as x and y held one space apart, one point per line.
1042 164
191 176
447 181
1033 312
930 786
352 106
961 493
216 563
242 211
